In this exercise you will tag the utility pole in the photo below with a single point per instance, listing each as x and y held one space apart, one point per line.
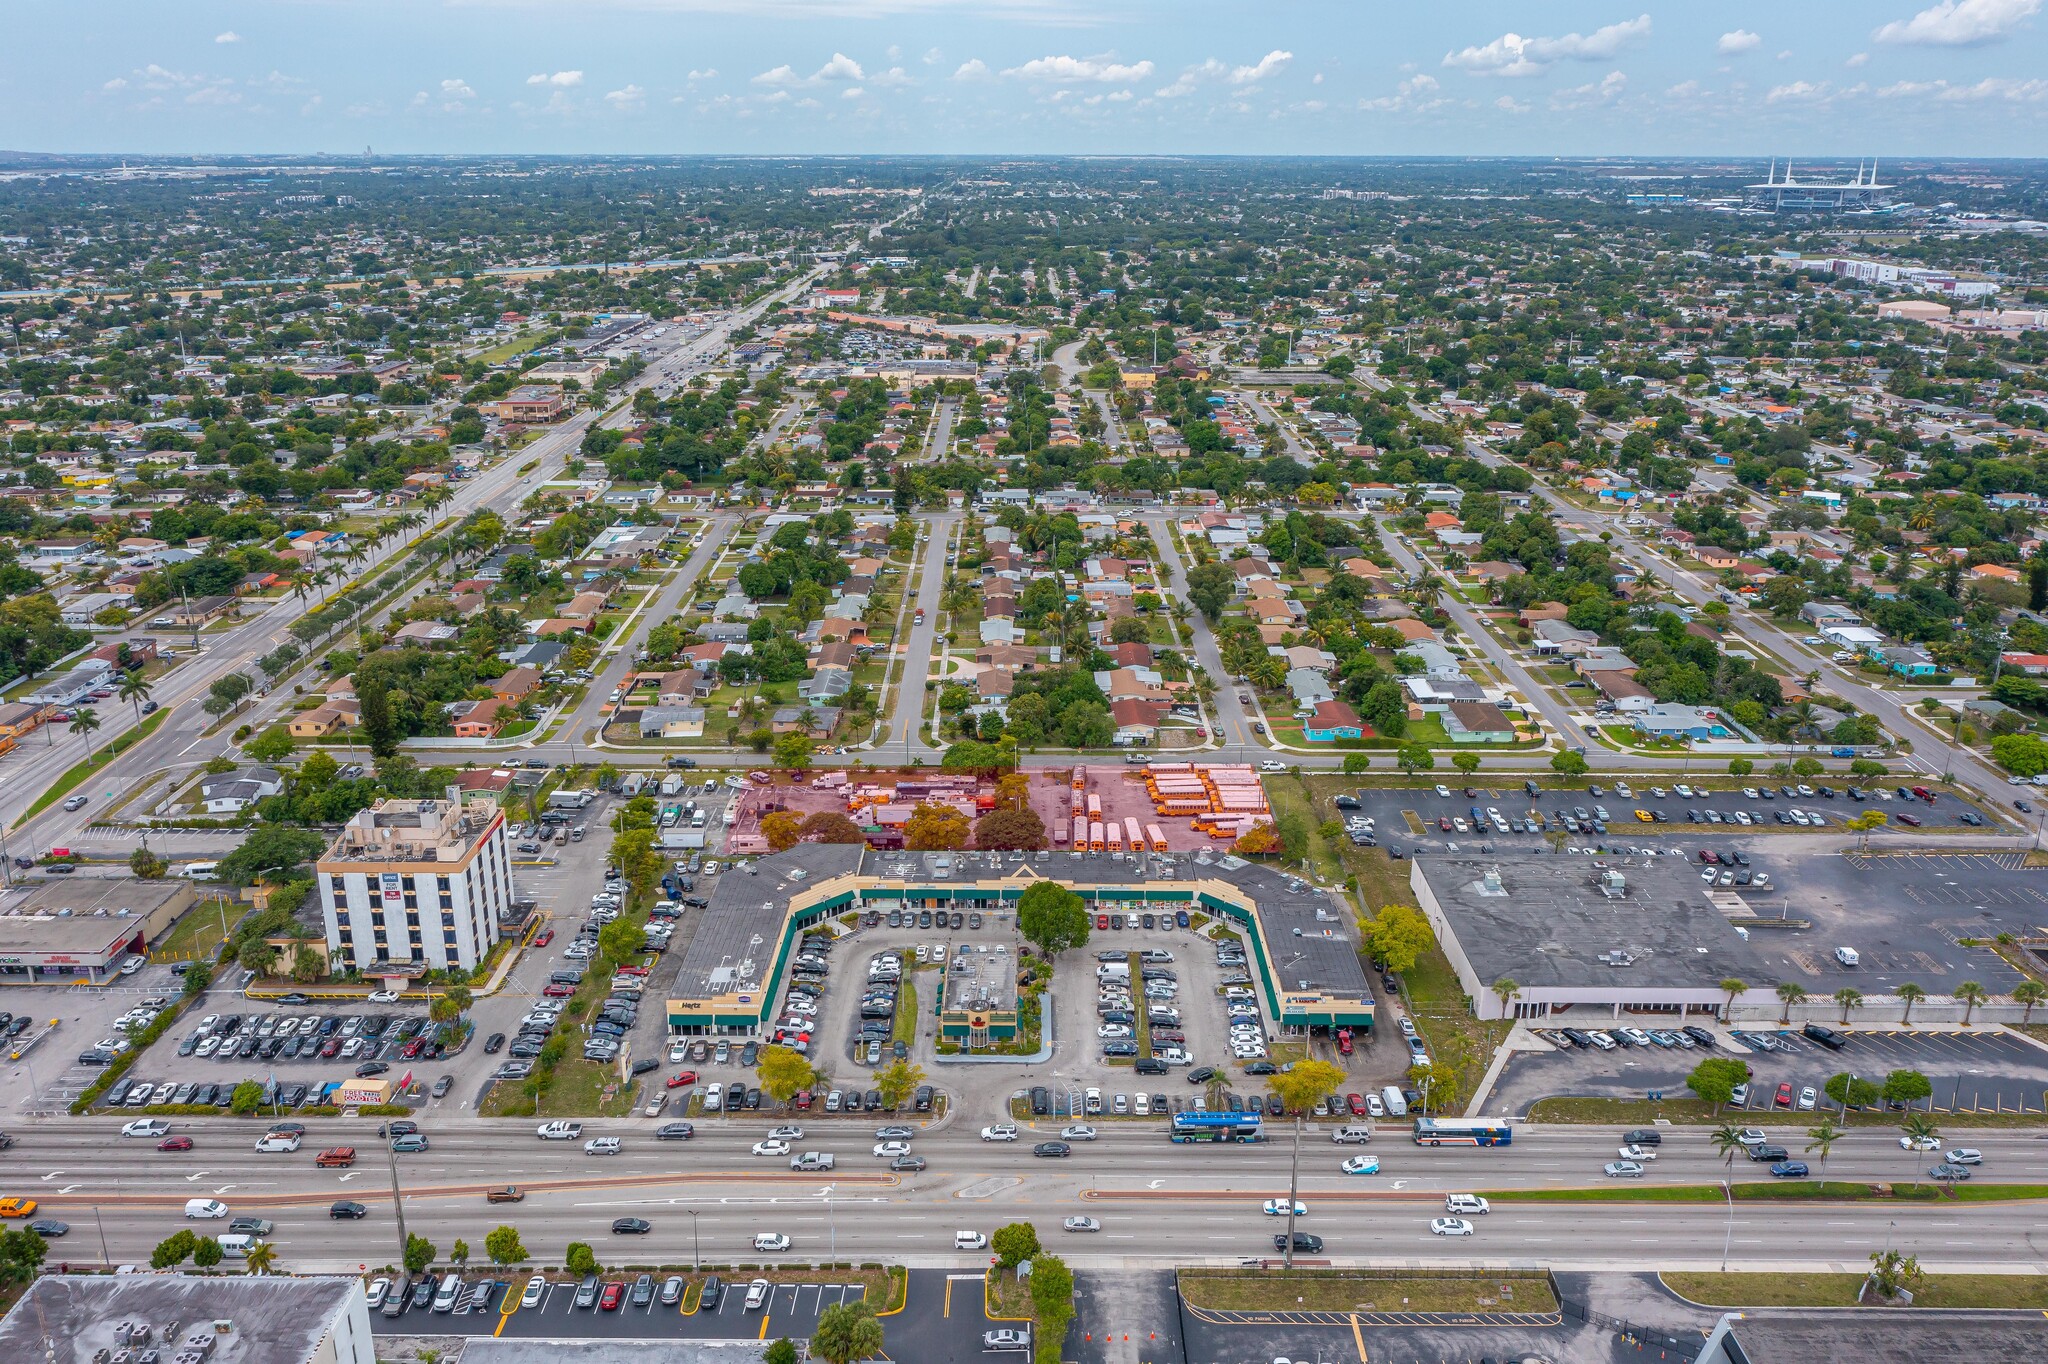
397 1202
1293 1189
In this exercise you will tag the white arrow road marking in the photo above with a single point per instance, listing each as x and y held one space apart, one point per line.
52 1175
1156 1184
69 1187
346 1178
222 1189
1398 1184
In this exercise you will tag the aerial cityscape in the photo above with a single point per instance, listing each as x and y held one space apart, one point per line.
902 681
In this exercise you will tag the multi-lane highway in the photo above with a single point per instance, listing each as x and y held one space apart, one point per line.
1157 1202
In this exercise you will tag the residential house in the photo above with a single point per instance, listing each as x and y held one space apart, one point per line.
684 687
328 718
2034 665
1137 721
230 793
826 684
1309 688
672 722
1412 630
814 719
1672 721
584 606
425 633
1556 637
21 718
1478 722
516 685
481 719
1909 661
1529 615
1622 691
1333 720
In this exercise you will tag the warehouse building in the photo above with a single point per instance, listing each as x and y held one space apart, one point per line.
238 1319
82 928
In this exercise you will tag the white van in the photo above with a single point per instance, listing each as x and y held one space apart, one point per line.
1396 1105
969 1240
279 1141
450 1293
1847 956
1351 1136
236 1247
205 1208
1465 1203
1113 970
199 870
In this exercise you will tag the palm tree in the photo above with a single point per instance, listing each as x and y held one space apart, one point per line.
1732 987
1848 997
134 689
1911 994
260 1257
2029 993
1791 994
1507 989
1727 1140
1824 1138
1972 994
85 721
1920 1130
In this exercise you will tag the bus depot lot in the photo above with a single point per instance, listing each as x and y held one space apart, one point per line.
1976 1072
1385 806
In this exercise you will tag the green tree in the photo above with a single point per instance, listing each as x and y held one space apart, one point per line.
1849 997
270 851
1414 758
1740 767
85 721
1715 1078
1506 988
1052 918
1732 987
783 1073
1972 994
1920 1131
1569 763
146 865
1893 1271
579 1258
458 1254
1727 1140
1467 763
1789 994
1052 1302
173 1250
419 1253
1906 1087
1398 935
247 1098
1824 1136
1909 994
380 727
206 1253
1014 1244
2029 993
780 1352
1355 763
793 751
272 745
1854 1091
847 1331
1210 587
621 940
503 1246
260 1257
1299 1089
898 1081
197 979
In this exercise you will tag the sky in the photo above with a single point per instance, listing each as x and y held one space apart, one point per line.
1804 78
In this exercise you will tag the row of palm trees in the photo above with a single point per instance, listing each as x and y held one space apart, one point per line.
1921 1134
2028 994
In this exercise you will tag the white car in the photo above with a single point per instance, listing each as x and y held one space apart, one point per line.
1807 1098
379 1289
536 1289
1450 1226
1081 1224
559 1131
146 1127
771 1147
786 1133
1639 1154
1079 1131
1754 1136
383 997
889 1150
601 1146
1623 1169
1270 766
1443 790
1361 1165
1277 1207
1000 1132
771 1240
1919 1143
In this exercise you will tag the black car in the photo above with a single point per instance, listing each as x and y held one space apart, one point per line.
369 1068
645 1064
1052 1148
631 1226
1262 1068
344 1208
922 1100
423 1294
494 1044
1699 1035
1041 1101
49 1227
674 1131
1302 1241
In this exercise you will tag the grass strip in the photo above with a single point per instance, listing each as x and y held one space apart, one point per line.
113 749
1997 1291
1588 1109
1788 1190
1313 1290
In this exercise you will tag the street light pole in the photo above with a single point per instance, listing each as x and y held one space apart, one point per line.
696 1246
105 1258
1293 1188
1728 1241
397 1202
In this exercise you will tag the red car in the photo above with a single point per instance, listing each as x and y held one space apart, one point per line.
802 1100
544 939
1784 1099
613 1293
1356 1104
1912 821
1444 822
559 991
1709 856
175 1144
411 1049
681 1078
1102 921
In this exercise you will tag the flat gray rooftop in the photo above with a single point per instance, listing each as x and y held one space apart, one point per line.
1888 1337
500 1350
276 1320
1546 923
738 933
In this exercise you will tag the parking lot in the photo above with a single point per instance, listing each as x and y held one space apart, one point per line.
1606 814
50 1075
1978 1072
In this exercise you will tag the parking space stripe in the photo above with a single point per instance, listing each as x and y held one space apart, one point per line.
764 1325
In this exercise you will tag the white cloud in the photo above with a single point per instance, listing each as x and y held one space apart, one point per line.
561 80
893 77
973 69
1416 95
1798 92
2006 88
1509 104
1074 70
1180 88
784 74
1592 94
852 92
1272 64
933 57
1857 59
629 97
1738 40
117 83
1513 55
1685 90
229 37
840 68
1959 23
709 73
456 88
